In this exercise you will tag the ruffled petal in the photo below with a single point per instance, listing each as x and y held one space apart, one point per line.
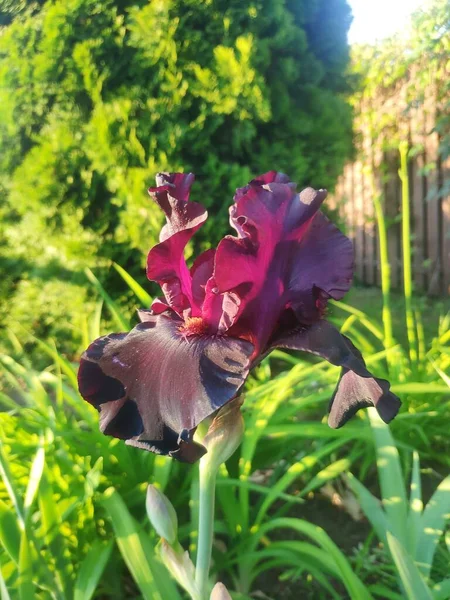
357 387
153 386
165 262
286 255
201 272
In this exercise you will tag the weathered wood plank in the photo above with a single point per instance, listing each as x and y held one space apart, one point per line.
445 224
358 239
431 142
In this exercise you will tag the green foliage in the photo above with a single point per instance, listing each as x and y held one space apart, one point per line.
416 62
57 470
96 97
410 532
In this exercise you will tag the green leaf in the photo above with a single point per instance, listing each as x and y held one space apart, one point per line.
116 313
413 583
441 590
258 488
434 518
8 402
391 477
4 594
227 500
92 480
353 584
368 323
415 506
419 388
95 323
371 507
162 467
134 286
10 487
34 479
330 472
385 593
129 540
293 472
136 551
303 556
50 533
66 367
9 531
317 430
91 570
25 570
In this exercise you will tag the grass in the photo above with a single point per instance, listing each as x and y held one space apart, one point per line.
82 488
72 501
370 301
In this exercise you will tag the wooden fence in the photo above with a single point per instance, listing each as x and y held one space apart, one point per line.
375 171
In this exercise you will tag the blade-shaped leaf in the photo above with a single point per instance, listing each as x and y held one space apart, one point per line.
34 479
353 584
10 487
162 468
115 311
129 540
371 507
441 591
293 473
413 583
434 517
91 570
415 506
390 476
25 578
4 594
137 552
134 286
9 531
330 472
50 533
384 593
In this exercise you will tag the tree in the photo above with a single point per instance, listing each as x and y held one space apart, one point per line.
96 97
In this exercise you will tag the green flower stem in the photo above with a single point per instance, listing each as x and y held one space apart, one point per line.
406 242
207 485
385 269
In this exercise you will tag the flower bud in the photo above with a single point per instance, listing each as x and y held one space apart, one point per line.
220 592
224 434
180 566
162 514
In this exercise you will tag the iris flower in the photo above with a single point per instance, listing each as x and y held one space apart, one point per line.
266 287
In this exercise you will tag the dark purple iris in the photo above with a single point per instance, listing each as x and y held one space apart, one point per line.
265 288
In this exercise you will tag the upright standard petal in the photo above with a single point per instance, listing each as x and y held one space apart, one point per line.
154 385
165 262
357 387
286 255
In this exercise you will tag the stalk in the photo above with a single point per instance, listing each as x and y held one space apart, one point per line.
406 245
385 267
221 440
207 486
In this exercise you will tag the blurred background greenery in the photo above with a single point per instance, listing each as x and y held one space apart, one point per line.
95 98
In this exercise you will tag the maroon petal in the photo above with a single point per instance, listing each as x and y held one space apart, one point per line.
357 388
153 386
201 272
286 255
165 262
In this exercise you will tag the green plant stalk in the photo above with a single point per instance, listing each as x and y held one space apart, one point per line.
207 487
385 270
406 246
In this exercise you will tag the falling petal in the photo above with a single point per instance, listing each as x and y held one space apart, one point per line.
154 385
357 388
